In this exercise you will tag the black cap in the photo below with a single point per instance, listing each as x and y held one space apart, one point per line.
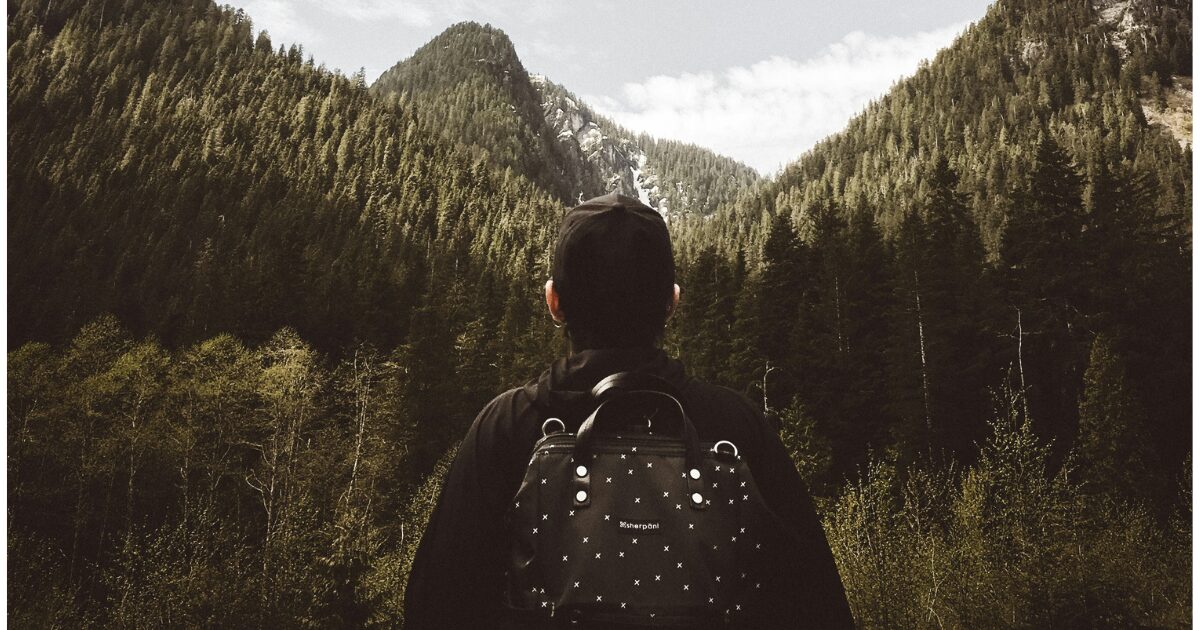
614 272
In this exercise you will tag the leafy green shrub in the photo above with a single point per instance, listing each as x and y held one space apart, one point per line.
1008 542
389 579
194 574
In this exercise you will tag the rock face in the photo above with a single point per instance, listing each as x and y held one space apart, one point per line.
672 177
616 156
1118 16
468 86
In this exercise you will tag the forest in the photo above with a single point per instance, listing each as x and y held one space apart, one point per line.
254 303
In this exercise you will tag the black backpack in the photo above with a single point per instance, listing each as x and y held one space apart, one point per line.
632 522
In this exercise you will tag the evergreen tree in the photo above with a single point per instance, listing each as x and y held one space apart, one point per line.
1114 458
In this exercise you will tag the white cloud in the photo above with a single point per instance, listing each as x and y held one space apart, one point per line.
428 12
771 112
409 13
282 20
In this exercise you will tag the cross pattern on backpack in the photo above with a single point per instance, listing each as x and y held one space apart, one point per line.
644 547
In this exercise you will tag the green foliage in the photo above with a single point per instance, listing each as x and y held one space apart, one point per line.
188 574
316 285
215 485
1007 542
390 577
166 169
811 452
1113 455
467 86
39 592
682 180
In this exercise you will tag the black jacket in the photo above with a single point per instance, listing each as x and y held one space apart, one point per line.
457 578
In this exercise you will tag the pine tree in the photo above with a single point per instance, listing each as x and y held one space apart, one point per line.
1114 458
1043 260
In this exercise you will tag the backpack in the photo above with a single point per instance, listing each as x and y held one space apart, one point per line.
632 522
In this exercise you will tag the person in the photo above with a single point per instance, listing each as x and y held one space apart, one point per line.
613 288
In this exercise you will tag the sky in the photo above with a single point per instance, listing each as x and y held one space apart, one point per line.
761 81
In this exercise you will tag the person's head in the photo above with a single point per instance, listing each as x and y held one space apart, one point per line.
613 283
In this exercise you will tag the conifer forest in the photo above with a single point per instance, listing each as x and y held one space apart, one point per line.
254 304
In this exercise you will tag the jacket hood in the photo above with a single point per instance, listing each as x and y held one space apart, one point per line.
564 390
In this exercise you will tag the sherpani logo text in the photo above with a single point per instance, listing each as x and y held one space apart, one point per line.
645 527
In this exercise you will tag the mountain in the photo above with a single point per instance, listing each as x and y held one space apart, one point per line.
978 226
191 188
468 86
251 243
253 305
1110 80
677 178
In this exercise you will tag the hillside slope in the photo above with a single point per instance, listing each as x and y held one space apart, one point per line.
677 178
976 230
468 86
1080 73
192 179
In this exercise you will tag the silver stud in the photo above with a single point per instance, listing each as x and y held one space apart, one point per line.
581 471
696 498
695 473
581 496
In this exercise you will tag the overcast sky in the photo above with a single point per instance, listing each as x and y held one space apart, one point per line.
761 81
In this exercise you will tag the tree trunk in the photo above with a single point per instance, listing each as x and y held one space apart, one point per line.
924 358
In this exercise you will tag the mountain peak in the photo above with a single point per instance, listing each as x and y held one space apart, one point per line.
474 42
468 86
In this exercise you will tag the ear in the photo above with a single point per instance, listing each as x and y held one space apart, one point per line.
674 303
552 303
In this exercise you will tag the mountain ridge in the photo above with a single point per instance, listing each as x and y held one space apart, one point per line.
468 86
578 152
1015 88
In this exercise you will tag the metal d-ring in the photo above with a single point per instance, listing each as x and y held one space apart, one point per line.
548 428
716 448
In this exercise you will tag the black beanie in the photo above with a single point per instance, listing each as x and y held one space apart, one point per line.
614 272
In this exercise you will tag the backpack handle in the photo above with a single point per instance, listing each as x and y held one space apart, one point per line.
628 381
624 387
